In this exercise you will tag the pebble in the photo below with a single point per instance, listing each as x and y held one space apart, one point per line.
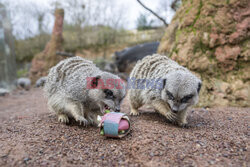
24 83
26 159
225 155
211 162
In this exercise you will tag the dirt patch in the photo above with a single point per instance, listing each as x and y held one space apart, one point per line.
30 135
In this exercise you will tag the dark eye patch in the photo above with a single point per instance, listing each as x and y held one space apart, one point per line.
186 98
109 94
170 95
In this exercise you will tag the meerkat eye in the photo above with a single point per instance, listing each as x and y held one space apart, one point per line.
109 94
170 95
186 98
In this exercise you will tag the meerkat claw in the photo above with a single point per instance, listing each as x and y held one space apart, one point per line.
183 125
171 117
82 121
63 118
134 112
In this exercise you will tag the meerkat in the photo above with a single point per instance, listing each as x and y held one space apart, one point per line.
73 88
175 88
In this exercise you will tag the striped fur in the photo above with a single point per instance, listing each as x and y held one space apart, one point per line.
179 81
68 96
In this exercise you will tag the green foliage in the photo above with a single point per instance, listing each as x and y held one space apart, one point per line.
89 36
22 73
77 38
198 13
26 49
199 46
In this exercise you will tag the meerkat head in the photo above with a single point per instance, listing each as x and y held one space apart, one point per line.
107 91
181 90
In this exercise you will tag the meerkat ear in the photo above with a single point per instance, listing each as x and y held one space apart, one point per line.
94 82
199 87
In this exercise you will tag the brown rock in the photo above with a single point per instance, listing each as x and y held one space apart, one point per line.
222 87
222 39
227 56
225 87
242 31
217 39
245 74
220 100
227 53
234 37
224 21
245 54
212 38
169 38
191 15
182 56
205 38
242 94
244 25
238 84
200 64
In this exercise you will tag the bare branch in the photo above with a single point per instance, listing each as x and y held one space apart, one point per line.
155 14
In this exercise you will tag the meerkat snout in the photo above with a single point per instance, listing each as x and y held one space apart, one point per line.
181 90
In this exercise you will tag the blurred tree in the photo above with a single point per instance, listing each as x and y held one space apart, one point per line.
7 53
142 23
78 18
39 14
154 13
27 18
164 12
86 23
43 61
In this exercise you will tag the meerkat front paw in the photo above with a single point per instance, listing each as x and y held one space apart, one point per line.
182 119
82 120
171 117
183 124
134 112
91 121
63 118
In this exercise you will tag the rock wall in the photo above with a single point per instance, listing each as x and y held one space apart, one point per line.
7 53
212 38
43 61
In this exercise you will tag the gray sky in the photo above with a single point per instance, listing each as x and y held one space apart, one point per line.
135 9
25 24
